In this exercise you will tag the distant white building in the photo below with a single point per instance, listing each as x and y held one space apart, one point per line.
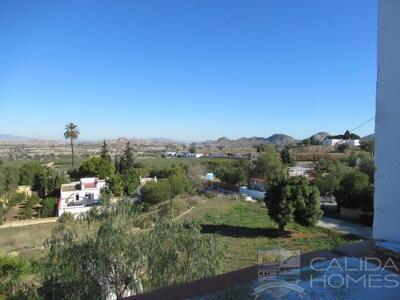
300 170
332 142
336 142
169 154
355 143
80 196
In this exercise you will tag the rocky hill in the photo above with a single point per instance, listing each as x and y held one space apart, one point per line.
369 137
244 142
320 136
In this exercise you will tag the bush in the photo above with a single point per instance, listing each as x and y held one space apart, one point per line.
279 203
355 191
14 276
49 206
96 167
179 206
115 185
294 199
130 182
306 201
66 218
156 192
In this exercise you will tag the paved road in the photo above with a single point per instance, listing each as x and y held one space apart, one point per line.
346 227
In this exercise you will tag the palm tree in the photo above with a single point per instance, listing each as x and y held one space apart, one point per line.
71 132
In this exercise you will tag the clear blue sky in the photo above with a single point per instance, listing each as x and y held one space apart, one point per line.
188 69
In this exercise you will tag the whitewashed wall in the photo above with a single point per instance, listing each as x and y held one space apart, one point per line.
387 128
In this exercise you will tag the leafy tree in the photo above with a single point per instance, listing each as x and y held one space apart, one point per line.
115 184
127 160
97 167
27 211
71 132
106 194
15 198
8 179
177 254
306 201
156 192
179 184
269 165
330 175
280 204
367 165
130 182
104 152
49 207
355 191
234 176
48 181
117 260
286 157
40 183
347 135
192 148
368 146
28 172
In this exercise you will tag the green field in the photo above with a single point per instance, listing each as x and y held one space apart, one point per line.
26 240
243 227
246 227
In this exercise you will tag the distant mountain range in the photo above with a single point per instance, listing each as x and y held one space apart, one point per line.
277 139
13 138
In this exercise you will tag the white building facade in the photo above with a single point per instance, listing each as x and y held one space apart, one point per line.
80 196
387 135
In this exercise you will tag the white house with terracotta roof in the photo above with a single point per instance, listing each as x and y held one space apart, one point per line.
80 196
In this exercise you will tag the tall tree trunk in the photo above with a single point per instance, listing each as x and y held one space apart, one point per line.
72 150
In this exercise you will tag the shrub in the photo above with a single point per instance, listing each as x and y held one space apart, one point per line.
179 206
130 182
66 218
156 192
49 206
279 203
306 201
355 191
14 272
96 167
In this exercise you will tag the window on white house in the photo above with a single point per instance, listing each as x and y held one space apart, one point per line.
89 196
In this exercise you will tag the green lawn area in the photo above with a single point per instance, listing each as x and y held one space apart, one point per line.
26 240
246 227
